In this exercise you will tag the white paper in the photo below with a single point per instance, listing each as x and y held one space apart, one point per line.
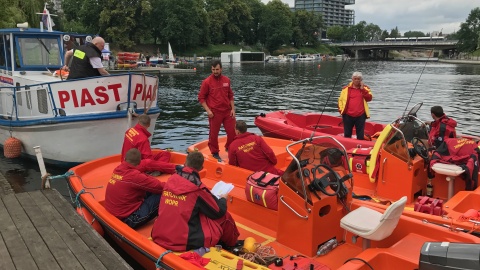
221 188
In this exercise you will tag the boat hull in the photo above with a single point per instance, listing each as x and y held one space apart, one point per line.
70 143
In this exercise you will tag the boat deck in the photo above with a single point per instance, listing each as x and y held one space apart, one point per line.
40 230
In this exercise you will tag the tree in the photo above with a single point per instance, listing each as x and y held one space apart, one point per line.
394 33
251 32
121 21
384 35
335 32
12 14
306 27
372 32
468 35
238 22
276 25
414 34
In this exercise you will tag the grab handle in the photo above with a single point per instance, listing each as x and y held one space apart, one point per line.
293 210
383 170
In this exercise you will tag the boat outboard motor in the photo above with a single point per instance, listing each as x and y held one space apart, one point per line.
446 256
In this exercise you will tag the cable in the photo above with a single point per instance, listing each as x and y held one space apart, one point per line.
359 259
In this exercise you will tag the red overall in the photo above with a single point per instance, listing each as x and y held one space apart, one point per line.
137 137
127 188
443 125
251 152
218 95
190 217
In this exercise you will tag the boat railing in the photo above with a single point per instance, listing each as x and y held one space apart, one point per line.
108 94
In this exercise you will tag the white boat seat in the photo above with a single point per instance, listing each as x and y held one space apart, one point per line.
451 171
371 224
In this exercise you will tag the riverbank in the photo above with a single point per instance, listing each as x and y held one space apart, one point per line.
460 61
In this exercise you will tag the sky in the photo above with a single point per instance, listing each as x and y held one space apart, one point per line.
412 15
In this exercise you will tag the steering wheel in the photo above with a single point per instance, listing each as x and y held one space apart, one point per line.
330 178
420 148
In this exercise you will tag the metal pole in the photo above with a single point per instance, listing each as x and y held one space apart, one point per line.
43 170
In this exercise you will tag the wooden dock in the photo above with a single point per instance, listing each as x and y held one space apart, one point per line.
41 230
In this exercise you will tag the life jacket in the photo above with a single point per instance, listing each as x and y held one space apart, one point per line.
81 67
442 129
461 152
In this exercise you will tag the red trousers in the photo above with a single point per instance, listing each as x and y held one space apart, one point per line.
159 162
215 123
230 232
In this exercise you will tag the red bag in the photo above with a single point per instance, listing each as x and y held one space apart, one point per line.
262 189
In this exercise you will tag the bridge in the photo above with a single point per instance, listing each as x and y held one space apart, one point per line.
381 48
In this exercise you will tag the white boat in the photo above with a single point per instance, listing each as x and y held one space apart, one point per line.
171 59
73 121
305 58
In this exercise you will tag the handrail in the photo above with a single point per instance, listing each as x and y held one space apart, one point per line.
293 210
299 166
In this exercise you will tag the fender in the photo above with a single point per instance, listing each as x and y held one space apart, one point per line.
376 149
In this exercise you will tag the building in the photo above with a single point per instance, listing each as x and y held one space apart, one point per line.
242 57
333 12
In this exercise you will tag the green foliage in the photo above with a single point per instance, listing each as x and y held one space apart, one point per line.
336 32
306 28
414 34
394 33
276 25
469 33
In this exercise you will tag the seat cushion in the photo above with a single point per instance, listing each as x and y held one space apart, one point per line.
447 169
361 221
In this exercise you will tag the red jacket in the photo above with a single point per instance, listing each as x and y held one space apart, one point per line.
461 152
434 137
185 214
137 137
217 93
127 188
251 152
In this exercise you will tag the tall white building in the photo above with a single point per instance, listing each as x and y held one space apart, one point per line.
333 11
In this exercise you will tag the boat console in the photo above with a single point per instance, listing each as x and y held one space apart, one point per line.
445 256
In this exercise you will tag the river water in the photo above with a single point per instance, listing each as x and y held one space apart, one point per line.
313 86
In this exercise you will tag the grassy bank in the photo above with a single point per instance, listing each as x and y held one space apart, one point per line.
216 50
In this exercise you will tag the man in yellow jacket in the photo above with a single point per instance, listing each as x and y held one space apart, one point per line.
352 105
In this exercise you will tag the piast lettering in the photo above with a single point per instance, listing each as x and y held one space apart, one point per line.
148 94
85 96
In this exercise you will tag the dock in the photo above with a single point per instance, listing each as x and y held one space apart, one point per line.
155 70
41 230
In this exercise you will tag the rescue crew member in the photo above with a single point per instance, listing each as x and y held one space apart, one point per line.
251 152
216 97
137 137
352 105
132 196
196 218
441 127
86 60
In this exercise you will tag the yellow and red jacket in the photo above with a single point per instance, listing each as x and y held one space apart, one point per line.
343 99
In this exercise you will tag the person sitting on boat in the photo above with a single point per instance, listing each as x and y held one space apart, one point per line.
132 196
251 152
441 127
137 137
352 105
196 218
86 60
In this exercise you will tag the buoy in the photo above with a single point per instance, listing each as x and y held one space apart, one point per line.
12 147
318 66
195 68
249 244
90 220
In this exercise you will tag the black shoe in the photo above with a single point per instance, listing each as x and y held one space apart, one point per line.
155 173
217 156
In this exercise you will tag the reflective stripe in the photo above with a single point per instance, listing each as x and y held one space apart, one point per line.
79 54
251 193
263 198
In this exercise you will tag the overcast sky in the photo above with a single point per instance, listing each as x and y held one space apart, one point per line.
412 15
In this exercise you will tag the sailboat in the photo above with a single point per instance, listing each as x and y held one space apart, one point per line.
171 59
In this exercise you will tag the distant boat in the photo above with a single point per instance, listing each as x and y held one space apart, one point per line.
171 59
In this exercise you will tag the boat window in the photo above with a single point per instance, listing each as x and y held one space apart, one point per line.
396 145
19 94
42 101
2 52
28 94
36 51
309 157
